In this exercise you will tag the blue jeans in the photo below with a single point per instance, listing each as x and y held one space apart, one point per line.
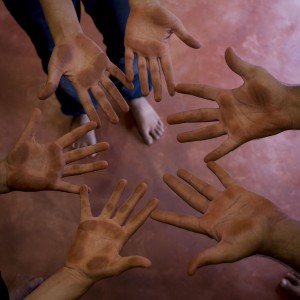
109 16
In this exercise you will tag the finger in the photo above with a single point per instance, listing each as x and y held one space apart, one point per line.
143 75
80 153
117 73
167 67
179 220
77 169
181 32
66 187
110 205
237 65
201 186
204 133
115 94
105 104
218 254
226 147
139 219
156 79
75 134
188 194
126 208
85 207
198 90
129 57
195 115
222 175
87 104
31 126
52 82
130 262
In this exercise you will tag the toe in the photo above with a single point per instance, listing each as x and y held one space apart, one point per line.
288 286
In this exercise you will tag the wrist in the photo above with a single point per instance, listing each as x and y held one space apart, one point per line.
293 105
3 178
283 242
78 277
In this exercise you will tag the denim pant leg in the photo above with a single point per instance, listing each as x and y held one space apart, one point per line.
110 17
29 15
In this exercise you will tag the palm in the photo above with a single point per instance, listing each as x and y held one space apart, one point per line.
98 241
256 109
31 166
148 31
88 68
240 221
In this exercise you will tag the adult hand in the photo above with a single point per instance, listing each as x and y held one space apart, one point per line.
240 221
31 166
148 31
256 109
94 252
80 60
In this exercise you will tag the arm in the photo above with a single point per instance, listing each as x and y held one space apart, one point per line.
243 223
94 252
260 107
31 166
148 31
82 61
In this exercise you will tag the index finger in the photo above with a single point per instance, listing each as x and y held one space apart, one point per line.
188 194
198 90
195 115
222 175
72 136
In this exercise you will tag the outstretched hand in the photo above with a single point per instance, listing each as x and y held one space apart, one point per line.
95 249
148 31
240 221
256 109
31 166
87 67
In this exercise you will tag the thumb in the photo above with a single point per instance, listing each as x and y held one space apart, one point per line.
130 262
53 79
32 125
237 65
181 32
218 254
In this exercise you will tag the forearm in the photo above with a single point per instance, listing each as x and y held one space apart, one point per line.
284 243
3 176
65 284
61 18
293 105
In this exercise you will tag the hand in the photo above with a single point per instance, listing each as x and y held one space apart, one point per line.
148 31
31 166
87 67
94 252
240 221
258 108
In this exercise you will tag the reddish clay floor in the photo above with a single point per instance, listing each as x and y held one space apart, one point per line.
36 228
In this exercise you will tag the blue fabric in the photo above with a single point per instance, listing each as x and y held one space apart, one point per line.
109 16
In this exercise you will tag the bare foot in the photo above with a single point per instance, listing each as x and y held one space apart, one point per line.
291 283
23 285
87 139
148 122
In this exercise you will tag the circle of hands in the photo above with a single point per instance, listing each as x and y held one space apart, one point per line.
232 217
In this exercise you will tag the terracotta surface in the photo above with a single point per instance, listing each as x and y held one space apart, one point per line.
35 228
